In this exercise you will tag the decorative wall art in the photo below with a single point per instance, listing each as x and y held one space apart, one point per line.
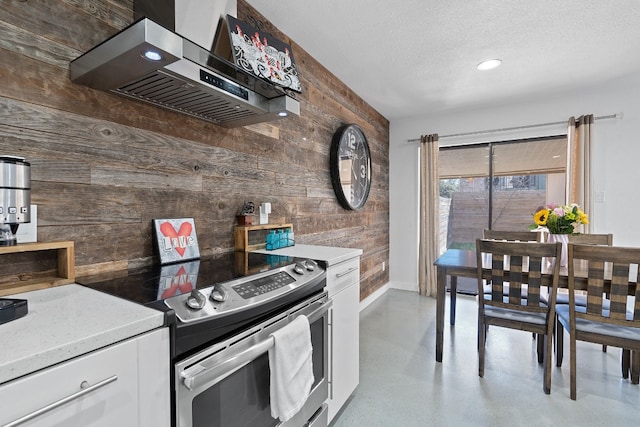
177 240
262 54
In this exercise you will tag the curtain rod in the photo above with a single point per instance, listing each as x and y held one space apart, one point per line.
478 132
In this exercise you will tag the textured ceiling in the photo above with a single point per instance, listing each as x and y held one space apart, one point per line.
415 57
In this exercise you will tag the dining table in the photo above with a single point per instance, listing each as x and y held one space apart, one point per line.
462 263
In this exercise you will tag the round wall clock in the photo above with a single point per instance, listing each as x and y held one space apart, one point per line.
350 166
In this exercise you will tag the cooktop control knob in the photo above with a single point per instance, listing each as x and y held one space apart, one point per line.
310 264
299 268
196 300
218 295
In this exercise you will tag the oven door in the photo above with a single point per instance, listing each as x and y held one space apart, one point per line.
227 384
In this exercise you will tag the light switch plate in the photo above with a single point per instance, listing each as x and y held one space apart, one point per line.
28 232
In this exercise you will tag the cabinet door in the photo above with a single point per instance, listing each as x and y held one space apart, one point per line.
99 389
345 347
153 379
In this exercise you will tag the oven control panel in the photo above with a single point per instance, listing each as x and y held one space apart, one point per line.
243 293
263 285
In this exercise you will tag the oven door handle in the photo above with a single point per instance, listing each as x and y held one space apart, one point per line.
200 374
315 314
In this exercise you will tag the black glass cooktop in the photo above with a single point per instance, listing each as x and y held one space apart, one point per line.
155 283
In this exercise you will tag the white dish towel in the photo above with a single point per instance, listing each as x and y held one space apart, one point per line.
291 369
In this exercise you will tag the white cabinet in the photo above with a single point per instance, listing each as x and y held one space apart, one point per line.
125 384
343 283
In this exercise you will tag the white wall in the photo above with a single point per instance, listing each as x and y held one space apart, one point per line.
616 169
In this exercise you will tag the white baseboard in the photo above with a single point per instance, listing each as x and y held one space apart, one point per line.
404 286
374 296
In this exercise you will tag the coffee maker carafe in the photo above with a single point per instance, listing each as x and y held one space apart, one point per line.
15 197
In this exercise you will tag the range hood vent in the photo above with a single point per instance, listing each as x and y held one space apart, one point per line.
184 77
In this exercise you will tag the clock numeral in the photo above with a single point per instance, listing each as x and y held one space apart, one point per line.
352 141
363 171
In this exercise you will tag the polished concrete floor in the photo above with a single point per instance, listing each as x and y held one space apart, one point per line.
402 385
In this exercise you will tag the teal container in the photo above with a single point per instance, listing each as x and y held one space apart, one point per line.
271 237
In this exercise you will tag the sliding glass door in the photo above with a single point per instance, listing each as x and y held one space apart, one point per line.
464 194
497 186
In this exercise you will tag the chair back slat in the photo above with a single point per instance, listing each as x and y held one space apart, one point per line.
497 278
619 291
636 309
512 236
595 287
607 264
591 239
535 280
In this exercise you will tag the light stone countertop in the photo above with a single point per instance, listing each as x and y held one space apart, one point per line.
65 322
329 254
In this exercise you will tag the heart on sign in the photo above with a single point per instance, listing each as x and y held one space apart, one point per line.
180 284
184 232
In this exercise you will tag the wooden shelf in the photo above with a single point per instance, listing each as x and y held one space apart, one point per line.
65 272
242 232
243 267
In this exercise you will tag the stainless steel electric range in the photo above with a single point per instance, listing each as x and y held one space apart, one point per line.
221 312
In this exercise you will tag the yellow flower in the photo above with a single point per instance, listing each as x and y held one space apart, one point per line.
583 218
540 218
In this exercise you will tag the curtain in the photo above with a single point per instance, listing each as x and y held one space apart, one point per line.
429 215
578 190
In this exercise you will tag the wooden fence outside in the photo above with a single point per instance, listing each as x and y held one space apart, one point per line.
465 215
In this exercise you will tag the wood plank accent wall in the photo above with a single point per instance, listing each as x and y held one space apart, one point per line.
104 166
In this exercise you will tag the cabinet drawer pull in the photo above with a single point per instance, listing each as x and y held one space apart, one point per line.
344 273
62 401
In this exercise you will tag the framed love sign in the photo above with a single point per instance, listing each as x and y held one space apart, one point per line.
176 240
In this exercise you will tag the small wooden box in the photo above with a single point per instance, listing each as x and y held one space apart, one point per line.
245 219
65 272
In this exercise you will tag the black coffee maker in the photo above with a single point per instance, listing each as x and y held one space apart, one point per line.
15 197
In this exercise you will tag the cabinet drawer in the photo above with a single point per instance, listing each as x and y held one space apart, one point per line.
97 389
342 275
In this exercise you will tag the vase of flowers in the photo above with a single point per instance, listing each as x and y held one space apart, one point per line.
560 221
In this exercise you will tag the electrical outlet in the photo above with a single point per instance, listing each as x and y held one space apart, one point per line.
599 196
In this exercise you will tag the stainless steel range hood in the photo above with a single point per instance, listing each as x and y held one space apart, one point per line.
184 77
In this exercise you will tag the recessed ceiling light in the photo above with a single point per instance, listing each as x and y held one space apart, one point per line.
489 65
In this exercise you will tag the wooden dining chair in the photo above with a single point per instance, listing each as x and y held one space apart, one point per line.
513 236
581 299
616 323
518 264
584 239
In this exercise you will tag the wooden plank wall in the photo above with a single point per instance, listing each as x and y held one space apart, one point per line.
104 166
